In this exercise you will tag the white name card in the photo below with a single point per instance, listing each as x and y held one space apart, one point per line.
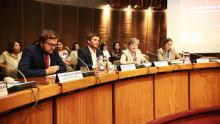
176 62
3 89
69 76
127 67
160 63
147 64
206 60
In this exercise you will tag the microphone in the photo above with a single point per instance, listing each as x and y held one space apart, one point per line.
68 49
14 86
87 68
148 52
151 53
193 54
85 71
10 80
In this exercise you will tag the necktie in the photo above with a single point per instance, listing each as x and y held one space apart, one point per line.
46 61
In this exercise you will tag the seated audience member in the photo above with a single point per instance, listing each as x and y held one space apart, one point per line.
166 52
9 59
74 54
64 54
90 53
42 59
132 55
105 51
116 53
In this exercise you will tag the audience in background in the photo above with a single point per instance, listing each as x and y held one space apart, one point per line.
166 52
74 54
64 54
89 54
42 59
104 48
10 58
116 53
132 55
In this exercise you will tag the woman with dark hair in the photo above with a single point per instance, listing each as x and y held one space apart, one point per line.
104 49
10 58
116 53
74 53
166 52
64 54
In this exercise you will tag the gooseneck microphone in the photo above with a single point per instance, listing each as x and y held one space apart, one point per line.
68 49
193 54
25 80
83 63
151 53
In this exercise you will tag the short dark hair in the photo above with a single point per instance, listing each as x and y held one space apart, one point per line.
90 36
47 34
166 41
11 44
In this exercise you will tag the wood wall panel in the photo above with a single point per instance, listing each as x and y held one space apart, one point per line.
127 29
29 115
84 24
10 22
69 30
32 21
78 108
171 93
141 29
153 31
134 100
163 27
74 23
52 17
115 34
204 88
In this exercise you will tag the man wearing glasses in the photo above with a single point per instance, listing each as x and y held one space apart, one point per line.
42 58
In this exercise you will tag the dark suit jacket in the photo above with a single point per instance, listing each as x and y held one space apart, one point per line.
85 55
32 61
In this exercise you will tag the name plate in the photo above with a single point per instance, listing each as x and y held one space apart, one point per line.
127 67
202 60
176 62
147 64
160 63
69 76
3 89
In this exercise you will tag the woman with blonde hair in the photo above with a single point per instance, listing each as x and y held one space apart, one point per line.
132 55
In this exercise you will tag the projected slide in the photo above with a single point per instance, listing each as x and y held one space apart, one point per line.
194 25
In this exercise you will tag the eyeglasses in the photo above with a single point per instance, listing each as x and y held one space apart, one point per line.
51 44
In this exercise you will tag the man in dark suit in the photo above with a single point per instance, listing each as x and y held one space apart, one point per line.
42 58
90 53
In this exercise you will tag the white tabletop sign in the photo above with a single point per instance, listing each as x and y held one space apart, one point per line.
206 60
128 67
69 76
3 89
160 63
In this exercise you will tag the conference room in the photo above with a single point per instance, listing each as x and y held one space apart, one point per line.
109 62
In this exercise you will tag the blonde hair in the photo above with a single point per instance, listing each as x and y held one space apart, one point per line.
133 40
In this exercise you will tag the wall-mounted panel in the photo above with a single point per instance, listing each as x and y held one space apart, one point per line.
10 22
84 24
52 17
69 29
32 21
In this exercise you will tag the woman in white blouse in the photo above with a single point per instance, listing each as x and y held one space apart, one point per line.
132 55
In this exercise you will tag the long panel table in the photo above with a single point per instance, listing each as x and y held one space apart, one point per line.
131 97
